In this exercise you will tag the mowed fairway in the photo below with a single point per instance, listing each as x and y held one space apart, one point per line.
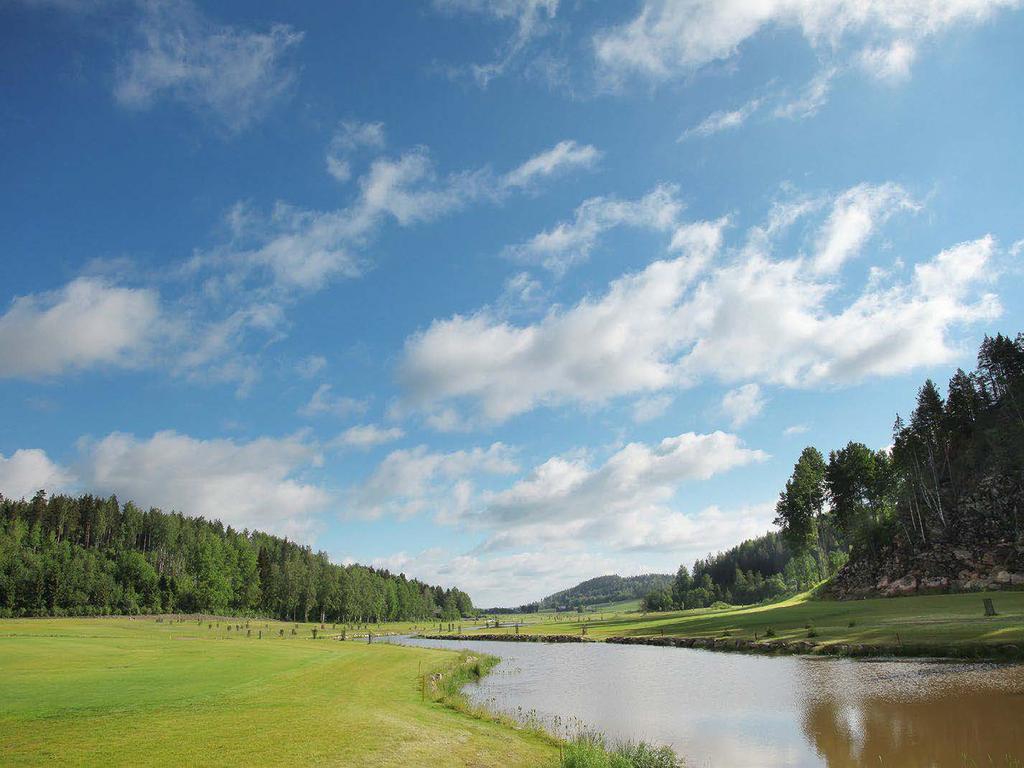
131 692
939 620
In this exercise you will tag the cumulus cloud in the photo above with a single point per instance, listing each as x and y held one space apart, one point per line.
365 436
650 408
723 120
28 470
856 214
742 404
570 242
670 38
233 74
565 154
636 479
891 63
593 514
675 322
295 249
603 347
254 484
325 403
409 481
85 324
500 580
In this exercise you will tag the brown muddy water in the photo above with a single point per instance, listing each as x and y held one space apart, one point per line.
731 710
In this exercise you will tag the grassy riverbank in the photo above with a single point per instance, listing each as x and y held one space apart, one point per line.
125 692
934 621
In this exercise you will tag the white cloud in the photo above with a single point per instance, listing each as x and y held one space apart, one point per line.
85 324
254 485
365 436
638 479
742 404
723 120
302 250
650 408
310 366
323 403
891 63
565 154
856 214
617 344
506 580
670 38
532 18
234 74
616 516
409 481
28 470
676 322
795 429
351 136
769 320
570 242
811 99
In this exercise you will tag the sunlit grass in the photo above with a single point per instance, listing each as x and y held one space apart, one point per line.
939 620
131 692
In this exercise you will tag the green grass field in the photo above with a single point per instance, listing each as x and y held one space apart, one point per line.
131 692
938 620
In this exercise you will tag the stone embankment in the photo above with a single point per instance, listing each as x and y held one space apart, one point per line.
978 651
510 638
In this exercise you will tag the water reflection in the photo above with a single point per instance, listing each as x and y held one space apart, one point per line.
917 715
739 711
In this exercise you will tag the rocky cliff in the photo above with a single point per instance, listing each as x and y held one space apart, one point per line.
983 549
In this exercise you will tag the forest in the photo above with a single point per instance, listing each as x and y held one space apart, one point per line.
606 589
952 474
67 556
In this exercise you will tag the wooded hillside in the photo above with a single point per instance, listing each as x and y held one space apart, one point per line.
88 555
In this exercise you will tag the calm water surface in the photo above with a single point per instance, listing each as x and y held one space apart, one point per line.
730 710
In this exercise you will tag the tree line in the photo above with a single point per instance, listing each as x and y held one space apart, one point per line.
954 472
86 555
754 571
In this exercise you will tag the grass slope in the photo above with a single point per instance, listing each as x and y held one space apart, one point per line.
939 620
130 692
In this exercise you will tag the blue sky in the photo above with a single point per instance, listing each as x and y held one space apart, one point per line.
502 294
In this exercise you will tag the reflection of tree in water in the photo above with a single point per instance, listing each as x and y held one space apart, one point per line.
937 728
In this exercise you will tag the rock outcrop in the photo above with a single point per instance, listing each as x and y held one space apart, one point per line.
983 549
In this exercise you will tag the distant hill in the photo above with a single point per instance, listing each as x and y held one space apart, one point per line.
606 589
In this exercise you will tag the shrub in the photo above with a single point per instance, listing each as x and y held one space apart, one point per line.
642 755
589 750
769 632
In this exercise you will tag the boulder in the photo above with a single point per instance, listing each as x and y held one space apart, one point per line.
905 586
934 583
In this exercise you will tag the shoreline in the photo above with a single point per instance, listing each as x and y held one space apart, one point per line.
1005 652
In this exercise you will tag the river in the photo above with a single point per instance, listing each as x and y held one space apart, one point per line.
732 710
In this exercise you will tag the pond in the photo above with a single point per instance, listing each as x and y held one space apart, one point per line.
731 710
